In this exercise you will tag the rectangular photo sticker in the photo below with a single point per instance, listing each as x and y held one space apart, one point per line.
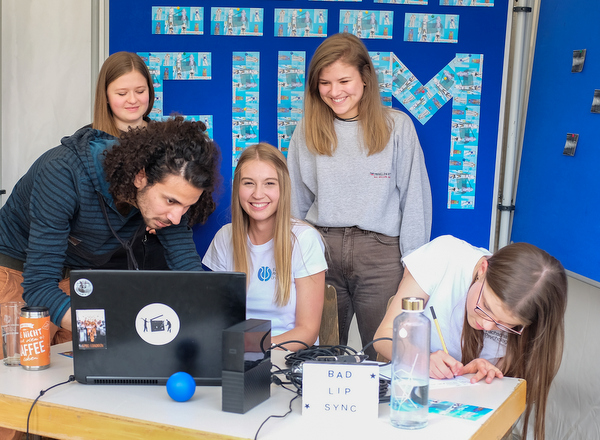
403 2
571 144
300 23
578 60
91 329
236 21
367 24
177 20
291 71
382 61
488 3
245 110
596 102
431 28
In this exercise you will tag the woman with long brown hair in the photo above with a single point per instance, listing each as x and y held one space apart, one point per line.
358 175
501 314
124 94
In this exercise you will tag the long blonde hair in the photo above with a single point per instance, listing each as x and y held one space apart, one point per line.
115 66
533 286
282 239
375 121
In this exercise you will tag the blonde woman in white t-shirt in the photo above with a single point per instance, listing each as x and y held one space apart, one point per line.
282 257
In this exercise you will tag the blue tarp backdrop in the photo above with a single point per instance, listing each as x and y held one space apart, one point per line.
459 134
557 204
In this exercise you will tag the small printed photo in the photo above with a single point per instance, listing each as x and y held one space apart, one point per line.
458 410
571 144
91 329
301 23
403 2
367 24
489 3
431 28
578 60
236 21
177 20
596 102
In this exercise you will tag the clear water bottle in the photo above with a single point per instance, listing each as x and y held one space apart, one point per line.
409 405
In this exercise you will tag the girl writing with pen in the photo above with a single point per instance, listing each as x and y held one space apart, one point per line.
500 314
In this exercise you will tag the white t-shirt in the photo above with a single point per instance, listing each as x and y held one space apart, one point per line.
444 268
308 258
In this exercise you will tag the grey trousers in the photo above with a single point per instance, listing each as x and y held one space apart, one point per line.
366 269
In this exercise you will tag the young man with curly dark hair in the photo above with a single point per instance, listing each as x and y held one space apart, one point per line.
84 203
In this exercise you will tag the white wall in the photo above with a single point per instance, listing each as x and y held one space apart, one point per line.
46 79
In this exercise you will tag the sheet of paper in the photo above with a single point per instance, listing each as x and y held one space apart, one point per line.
458 381
385 371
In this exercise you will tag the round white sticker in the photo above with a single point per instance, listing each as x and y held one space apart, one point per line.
83 287
157 324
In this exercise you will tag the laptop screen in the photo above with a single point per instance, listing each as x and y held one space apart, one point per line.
140 327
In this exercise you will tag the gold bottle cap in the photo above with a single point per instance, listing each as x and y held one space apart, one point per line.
413 304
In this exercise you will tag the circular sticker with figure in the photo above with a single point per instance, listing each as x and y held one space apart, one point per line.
157 324
83 287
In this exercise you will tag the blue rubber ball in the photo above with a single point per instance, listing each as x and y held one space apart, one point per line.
181 386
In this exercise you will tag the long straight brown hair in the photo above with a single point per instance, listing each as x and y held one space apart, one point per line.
283 236
532 285
115 66
375 121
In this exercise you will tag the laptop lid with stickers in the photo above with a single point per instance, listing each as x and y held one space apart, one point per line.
140 327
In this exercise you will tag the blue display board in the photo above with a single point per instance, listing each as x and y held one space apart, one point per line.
241 66
557 204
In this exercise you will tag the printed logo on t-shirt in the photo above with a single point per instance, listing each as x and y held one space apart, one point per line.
264 273
381 175
497 336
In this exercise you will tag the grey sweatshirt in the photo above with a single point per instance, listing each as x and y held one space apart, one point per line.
387 192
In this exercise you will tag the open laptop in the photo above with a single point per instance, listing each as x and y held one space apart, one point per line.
140 327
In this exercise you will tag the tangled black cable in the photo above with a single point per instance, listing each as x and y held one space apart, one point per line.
42 392
295 360
311 353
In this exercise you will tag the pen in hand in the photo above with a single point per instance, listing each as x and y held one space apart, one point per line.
437 325
439 330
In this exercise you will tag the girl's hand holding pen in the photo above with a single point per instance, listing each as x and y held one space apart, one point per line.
444 366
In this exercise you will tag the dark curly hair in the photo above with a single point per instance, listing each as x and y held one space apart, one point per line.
174 146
